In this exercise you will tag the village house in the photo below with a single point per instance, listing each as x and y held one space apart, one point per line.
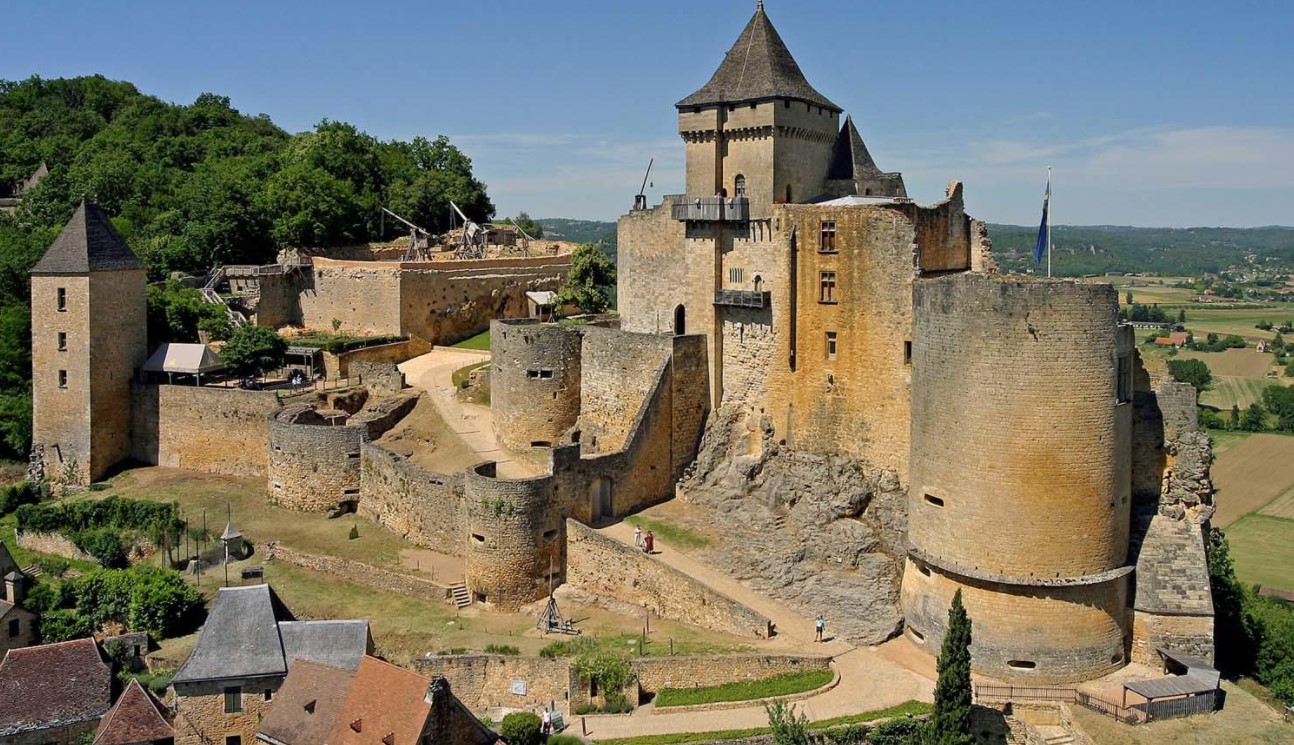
53 694
136 719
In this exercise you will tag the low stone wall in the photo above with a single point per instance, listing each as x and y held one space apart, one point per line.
340 365
486 681
420 506
655 673
359 573
1191 635
51 543
382 378
214 430
606 567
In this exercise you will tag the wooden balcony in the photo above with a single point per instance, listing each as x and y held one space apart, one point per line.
713 209
743 298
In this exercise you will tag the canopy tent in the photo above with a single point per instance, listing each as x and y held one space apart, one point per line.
543 305
184 359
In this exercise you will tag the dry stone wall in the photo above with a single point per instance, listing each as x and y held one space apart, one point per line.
605 567
342 365
215 430
381 377
423 507
360 573
484 682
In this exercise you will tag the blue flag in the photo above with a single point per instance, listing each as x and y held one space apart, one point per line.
1041 245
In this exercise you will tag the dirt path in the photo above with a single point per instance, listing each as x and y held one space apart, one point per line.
473 424
869 678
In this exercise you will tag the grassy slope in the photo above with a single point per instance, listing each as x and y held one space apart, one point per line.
1263 547
747 690
480 341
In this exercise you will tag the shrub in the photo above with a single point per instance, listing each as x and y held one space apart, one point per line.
354 532
105 545
609 671
894 732
62 625
521 728
42 598
501 649
143 598
583 709
54 566
617 704
16 495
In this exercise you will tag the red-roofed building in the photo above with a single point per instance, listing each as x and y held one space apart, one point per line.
53 693
136 719
388 705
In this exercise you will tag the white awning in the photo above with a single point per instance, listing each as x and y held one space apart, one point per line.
191 359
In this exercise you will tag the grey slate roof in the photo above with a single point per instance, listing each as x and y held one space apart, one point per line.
53 685
758 67
849 156
88 243
340 644
239 640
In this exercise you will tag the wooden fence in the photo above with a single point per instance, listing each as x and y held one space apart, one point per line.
1022 694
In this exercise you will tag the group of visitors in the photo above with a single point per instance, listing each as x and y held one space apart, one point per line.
645 543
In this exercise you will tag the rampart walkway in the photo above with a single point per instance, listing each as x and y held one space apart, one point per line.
869 680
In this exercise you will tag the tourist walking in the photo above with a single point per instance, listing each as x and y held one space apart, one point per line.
818 626
638 536
649 542
547 721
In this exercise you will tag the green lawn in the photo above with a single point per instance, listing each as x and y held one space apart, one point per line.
1263 548
480 341
746 690
669 532
909 708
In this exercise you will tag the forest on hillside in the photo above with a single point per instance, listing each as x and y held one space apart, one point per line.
191 186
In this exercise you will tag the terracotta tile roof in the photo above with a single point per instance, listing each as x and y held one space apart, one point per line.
88 243
758 67
305 708
386 706
53 685
136 717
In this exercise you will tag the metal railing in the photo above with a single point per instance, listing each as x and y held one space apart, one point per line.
210 295
713 209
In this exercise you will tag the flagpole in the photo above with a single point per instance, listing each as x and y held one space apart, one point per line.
1049 221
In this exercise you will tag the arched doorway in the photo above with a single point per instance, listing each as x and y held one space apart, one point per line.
601 495
759 283
680 321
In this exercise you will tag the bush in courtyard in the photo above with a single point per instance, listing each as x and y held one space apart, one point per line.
253 350
62 625
149 599
789 726
590 279
608 671
564 740
521 728
501 649
894 732
354 532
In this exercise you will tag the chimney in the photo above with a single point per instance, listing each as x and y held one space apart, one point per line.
13 588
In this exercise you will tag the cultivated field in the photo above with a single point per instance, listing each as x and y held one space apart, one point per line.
1251 474
1263 550
1202 319
1233 363
1228 392
1282 506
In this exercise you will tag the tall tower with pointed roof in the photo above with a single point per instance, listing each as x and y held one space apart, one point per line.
758 128
89 335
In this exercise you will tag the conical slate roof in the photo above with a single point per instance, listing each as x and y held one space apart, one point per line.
758 67
88 243
849 156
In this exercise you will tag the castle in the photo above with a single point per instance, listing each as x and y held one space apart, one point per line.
793 302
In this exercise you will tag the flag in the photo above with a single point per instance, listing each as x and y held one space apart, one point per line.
1041 245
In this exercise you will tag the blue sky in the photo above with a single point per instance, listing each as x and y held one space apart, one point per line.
1153 112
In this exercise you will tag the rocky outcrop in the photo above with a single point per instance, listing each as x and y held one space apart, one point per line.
1187 491
819 532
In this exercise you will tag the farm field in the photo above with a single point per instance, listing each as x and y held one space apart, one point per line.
1233 363
1263 550
1250 474
1202 319
1282 506
1227 392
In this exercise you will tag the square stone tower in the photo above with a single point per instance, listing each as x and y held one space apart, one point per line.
89 335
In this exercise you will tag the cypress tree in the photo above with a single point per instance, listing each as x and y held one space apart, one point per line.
951 722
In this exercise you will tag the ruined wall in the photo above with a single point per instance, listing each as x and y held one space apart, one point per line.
277 304
485 681
608 568
655 673
1190 635
534 382
382 378
943 233
456 300
422 507
340 365
312 466
217 430
618 374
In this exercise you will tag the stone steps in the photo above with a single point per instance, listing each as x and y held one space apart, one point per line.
460 596
1060 739
33 571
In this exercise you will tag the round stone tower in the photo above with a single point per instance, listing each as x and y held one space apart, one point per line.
534 382
1021 473
514 538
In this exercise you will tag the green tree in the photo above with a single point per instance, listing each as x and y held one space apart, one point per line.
1279 400
521 728
253 350
526 223
176 313
1195 372
589 281
62 625
1181 315
789 726
951 722
1234 423
1127 297
1238 633
1255 419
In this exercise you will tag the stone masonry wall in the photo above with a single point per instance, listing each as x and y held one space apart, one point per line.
455 300
118 346
422 507
51 543
361 574
1191 635
312 466
513 537
485 681
602 566
342 365
216 430
364 296
655 673
619 371
382 378
200 711
534 382
61 414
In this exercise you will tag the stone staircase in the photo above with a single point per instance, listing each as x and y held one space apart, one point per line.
459 595
33 571
1055 735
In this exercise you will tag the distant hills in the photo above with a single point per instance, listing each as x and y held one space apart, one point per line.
1077 249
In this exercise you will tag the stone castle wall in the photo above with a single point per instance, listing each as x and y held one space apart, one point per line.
382 378
313 466
216 430
534 382
364 296
608 568
513 537
342 365
1190 635
61 416
655 673
484 681
619 375
422 507
118 347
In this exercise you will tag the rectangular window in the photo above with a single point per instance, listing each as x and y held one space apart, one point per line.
827 287
827 237
14 628
233 740
269 695
907 353
62 378
233 700
62 298
736 276
546 374
1125 379
62 341
831 345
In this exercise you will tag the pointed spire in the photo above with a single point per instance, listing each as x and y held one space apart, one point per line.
758 67
849 157
88 243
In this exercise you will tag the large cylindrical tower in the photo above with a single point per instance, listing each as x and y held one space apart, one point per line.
534 382
1020 481
514 538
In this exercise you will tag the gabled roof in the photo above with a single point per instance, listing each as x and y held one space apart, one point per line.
137 717
849 156
88 243
53 685
758 67
239 640
386 704
339 644
305 708
190 359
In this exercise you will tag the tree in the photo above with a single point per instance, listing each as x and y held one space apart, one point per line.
521 728
789 726
254 350
589 280
532 228
1127 297
1255 419
1279 400
1234 422
1181 315
1238 632
1194 372
951 722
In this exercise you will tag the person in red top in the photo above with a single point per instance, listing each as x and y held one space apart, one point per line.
649 542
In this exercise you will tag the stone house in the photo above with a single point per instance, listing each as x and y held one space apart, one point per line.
246 649
394 706
53 694
136 719
305 708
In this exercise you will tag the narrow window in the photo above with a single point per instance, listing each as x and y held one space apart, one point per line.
788 193
14 628
269 695
831 345
1021 664
532 373
1124 378
62 298
907 353
233 740
827 287
550 535
936 501
546 374
786 104
233 700
739 186
478 538
736 276
62 378
827 240
62 341
759 283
